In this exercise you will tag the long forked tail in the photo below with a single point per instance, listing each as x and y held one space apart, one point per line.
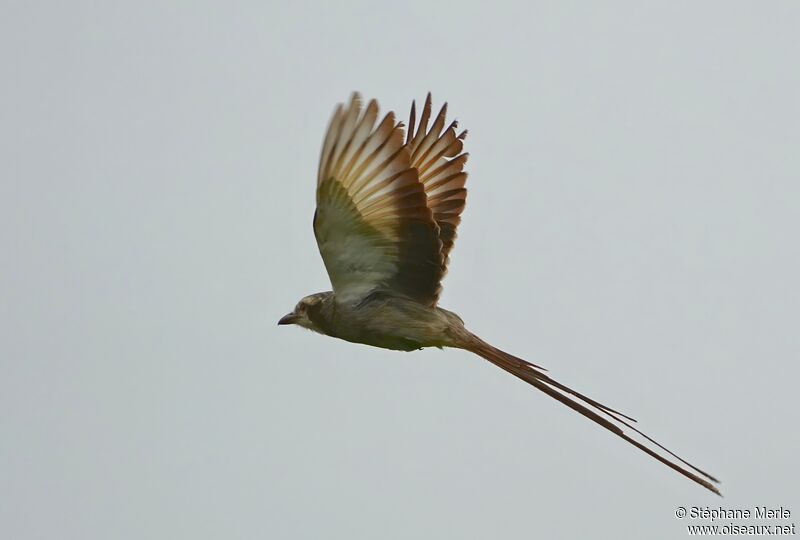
597 412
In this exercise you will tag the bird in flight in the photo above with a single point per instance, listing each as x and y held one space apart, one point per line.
388 207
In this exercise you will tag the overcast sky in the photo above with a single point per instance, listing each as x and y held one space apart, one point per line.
632 223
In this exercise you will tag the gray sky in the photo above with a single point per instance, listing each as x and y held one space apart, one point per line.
631 225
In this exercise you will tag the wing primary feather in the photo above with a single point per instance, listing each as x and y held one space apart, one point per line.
396 160
412 119
361 200
432 135
423 123
450 150
456 164
346 129
381 140
330 143
361 133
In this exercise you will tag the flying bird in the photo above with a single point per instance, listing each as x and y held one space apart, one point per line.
389 203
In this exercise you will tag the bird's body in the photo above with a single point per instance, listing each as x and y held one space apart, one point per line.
386 218
385 320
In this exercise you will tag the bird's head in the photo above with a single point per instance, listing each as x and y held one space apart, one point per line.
306 311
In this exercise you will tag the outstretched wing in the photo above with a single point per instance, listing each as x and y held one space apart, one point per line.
373 226
437 157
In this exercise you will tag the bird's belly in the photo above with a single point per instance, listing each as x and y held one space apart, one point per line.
392 323
395 343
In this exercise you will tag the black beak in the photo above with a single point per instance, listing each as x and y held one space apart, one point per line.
291 318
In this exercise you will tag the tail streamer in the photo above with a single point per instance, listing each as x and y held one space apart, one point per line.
610 419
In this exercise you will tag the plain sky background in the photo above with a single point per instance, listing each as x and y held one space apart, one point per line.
632 224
